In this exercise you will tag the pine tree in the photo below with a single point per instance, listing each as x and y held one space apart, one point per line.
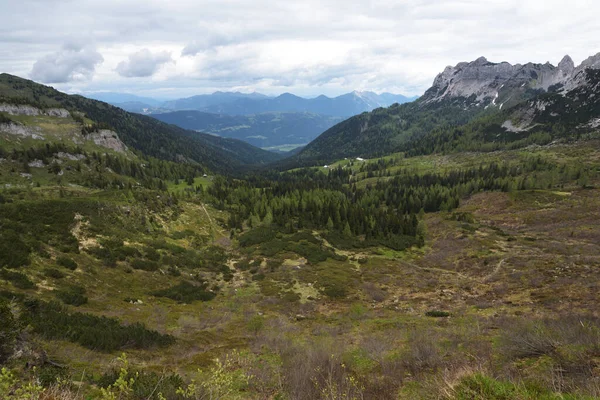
347 231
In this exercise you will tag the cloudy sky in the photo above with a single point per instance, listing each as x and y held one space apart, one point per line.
178 48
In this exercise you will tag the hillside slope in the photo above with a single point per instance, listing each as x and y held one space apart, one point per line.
494 105
144 134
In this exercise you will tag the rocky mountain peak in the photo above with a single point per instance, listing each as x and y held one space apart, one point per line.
484 83
591 62
566 64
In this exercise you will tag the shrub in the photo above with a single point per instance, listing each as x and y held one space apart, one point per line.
335 291
258 235
437 314
243 265
151 254
14 252
422 352
66 262
74 295
18 279
53 321
186 292
146 384
144 265
53 273
8 330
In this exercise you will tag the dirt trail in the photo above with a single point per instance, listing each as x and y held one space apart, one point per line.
494 272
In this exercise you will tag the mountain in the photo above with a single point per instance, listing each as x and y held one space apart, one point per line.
143 134
343 106
123 98
203 101
267 130
236 103
474 105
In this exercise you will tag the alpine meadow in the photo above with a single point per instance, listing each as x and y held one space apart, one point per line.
186 236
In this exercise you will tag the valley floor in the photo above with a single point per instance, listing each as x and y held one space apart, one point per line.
501 302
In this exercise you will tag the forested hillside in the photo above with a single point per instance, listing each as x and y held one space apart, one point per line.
143 134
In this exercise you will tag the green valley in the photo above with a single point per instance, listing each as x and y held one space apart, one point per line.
430 259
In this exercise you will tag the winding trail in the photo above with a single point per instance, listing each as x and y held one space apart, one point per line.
494 272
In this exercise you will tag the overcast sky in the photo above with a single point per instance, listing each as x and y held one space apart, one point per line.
179 48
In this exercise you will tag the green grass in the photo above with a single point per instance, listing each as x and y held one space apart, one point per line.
183 185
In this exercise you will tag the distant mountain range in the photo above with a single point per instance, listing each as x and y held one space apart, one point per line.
236 103
283 122
345 105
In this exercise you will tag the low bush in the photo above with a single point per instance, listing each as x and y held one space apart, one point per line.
74 295
186 292
144 265
18 279
8 330
53 321
53 273
258 235
66 262
437 314
146 384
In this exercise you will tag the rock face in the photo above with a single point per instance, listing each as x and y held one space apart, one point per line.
481 82
14 109
108 139
20 130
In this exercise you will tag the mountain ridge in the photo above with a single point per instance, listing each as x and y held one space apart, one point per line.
140 133
491 104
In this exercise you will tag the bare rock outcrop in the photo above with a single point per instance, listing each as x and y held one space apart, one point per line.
20 109
108 139
482 82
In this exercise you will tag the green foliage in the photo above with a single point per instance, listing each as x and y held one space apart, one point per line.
13 389
437 314
53 273
9 329
186 292
480 386
66 262
18 279
53 321
147 385
144 265
222 381
258 235
73 295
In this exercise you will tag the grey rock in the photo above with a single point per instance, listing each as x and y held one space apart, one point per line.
108 139
484 83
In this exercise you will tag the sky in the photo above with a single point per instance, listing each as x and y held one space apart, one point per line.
179 48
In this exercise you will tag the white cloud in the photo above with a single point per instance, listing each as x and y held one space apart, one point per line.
308 47
143 63
72 63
